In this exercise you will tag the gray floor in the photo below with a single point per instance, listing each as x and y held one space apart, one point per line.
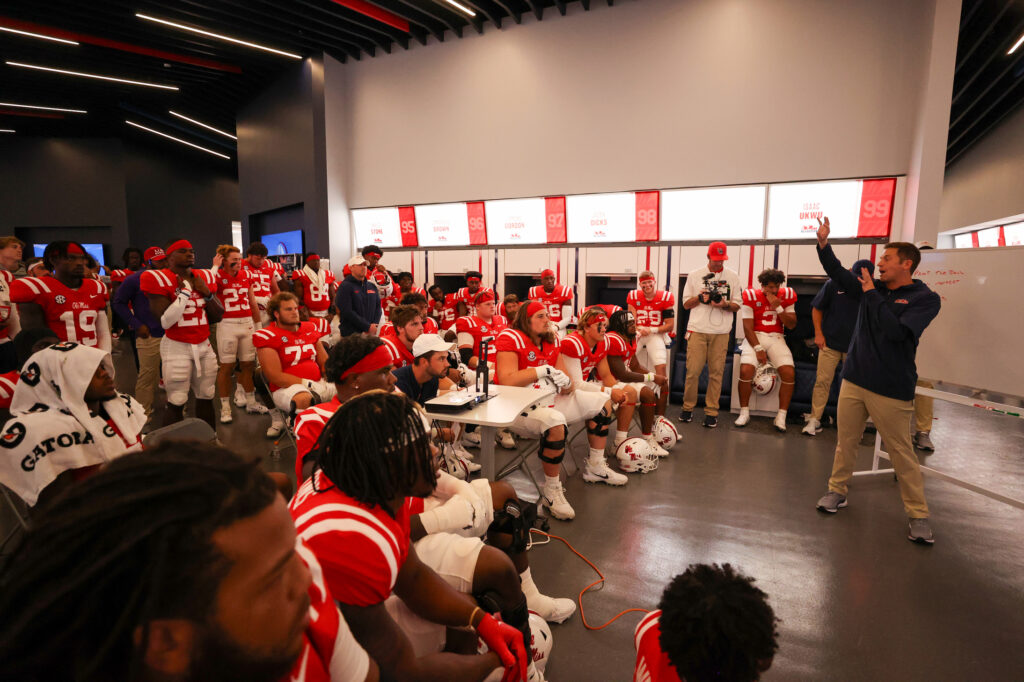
856 600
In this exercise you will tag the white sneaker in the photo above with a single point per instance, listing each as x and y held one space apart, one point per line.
813 427
505 439
780 422
226 417
463 452
276 424
598 471
239 396
658 450
549 608
743 419
471 466
256 408
471 440
553 497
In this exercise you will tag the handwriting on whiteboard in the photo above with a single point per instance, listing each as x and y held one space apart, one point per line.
950 277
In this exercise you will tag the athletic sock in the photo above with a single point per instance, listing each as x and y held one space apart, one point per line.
744 410
597 455
529 587
782 413
250 398
619 437
552 481
225 404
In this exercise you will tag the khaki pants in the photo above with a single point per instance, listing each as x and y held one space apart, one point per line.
923 405
149 372
892 419
828 360
701 349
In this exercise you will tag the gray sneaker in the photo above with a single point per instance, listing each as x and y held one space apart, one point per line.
921 532
831 502
922 441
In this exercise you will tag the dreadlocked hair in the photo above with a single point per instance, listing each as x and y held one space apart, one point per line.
715 625
347 352
374 448
619 322
125 547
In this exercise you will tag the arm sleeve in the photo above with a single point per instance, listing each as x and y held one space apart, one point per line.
574 370
843 278
174 312
566 315
103 340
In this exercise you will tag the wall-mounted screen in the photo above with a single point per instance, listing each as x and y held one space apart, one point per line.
963 240
516 221
596 218
728 213
989 236
380 226
1014 234
94 250
281 243
442 225
855 208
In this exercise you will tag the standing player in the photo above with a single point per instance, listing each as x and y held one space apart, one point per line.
654 311
235 288
265 274
376 273
314 287
766 311
557 298
468 293
292 359
180 298
69 302
10 325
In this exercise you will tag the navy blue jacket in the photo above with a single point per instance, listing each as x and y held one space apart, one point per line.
358 305
889 325
132 305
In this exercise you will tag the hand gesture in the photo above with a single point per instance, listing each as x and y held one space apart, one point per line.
867 282
661 380
618 396
200 286
762 357
507 642
823 232
773 300
218 260
819 341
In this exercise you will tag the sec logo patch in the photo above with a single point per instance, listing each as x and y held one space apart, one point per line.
531 356
59 299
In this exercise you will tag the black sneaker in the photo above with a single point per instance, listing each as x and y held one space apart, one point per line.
710 422
686 416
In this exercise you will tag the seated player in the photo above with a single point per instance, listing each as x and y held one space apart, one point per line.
355 513
468 293
528 354
183 300
557 298
69 302
25 344
67 420
292 359
625 368
36 267
654 311
265 274
420 301
583 350
200 578
236 293
437 301
766 312
407 324
314 287
510 306
712 624
608 308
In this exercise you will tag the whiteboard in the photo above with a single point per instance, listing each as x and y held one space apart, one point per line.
976 339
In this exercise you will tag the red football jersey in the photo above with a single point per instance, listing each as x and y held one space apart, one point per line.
295 349
8 382
322 326
388 329
316 297
361 548
573 346
608 308
389 302
233 293
651 312
619 346
6 309
652 664
400 355
765 319
529 354
449 311
70 313
480 329
309 424
468 298
559 296
118 276
193 327
263 276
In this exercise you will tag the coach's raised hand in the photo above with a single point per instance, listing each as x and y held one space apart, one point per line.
823 232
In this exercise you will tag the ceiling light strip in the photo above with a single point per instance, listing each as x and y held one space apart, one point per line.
6 130
202 125
8 29
33 106
1016 45
177 139
461 7
218 36
93 75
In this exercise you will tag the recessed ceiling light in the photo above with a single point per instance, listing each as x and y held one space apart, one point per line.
1016 45
461 7
218 36
177 139
202 125
93 75
33 106
37 35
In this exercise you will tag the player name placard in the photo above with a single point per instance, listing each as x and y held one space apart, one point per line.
728 213
855 208
390 227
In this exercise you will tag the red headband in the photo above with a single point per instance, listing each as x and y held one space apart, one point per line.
378 359
75 250
597 319
534 308
472 279
483 297
547 273
180 244
649 278
312 256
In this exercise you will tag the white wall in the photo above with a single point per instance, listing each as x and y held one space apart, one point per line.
985 183
645 94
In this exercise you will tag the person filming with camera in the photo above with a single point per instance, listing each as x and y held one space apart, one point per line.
712 295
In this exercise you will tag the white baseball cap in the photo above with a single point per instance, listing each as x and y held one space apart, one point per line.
356 260
426 343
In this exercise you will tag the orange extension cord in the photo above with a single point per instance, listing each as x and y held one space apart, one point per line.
593 584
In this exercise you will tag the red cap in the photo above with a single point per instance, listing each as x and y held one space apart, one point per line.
547 273
717 251
75 250
153 253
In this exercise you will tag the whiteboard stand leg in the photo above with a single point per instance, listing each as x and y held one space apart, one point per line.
876 456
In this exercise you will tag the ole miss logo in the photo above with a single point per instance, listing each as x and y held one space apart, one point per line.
531 356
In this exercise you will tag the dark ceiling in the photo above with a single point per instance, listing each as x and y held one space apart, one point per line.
988 85
216 78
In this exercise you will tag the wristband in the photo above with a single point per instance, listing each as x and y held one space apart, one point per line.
649 377
209 298
758 348
780 310
473 615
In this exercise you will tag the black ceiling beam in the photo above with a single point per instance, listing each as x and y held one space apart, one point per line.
560 4
440 18
435 29
516 16
966 17
330 30
991 84
537 7
983 114
977 72
181 126
960 152
343 14
493 18
981 37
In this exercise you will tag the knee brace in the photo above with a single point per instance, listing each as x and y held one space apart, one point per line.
515 518
548 444
600 424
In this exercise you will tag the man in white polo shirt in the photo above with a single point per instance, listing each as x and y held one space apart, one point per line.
712 295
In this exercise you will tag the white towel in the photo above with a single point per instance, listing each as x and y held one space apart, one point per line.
52 430
317 277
